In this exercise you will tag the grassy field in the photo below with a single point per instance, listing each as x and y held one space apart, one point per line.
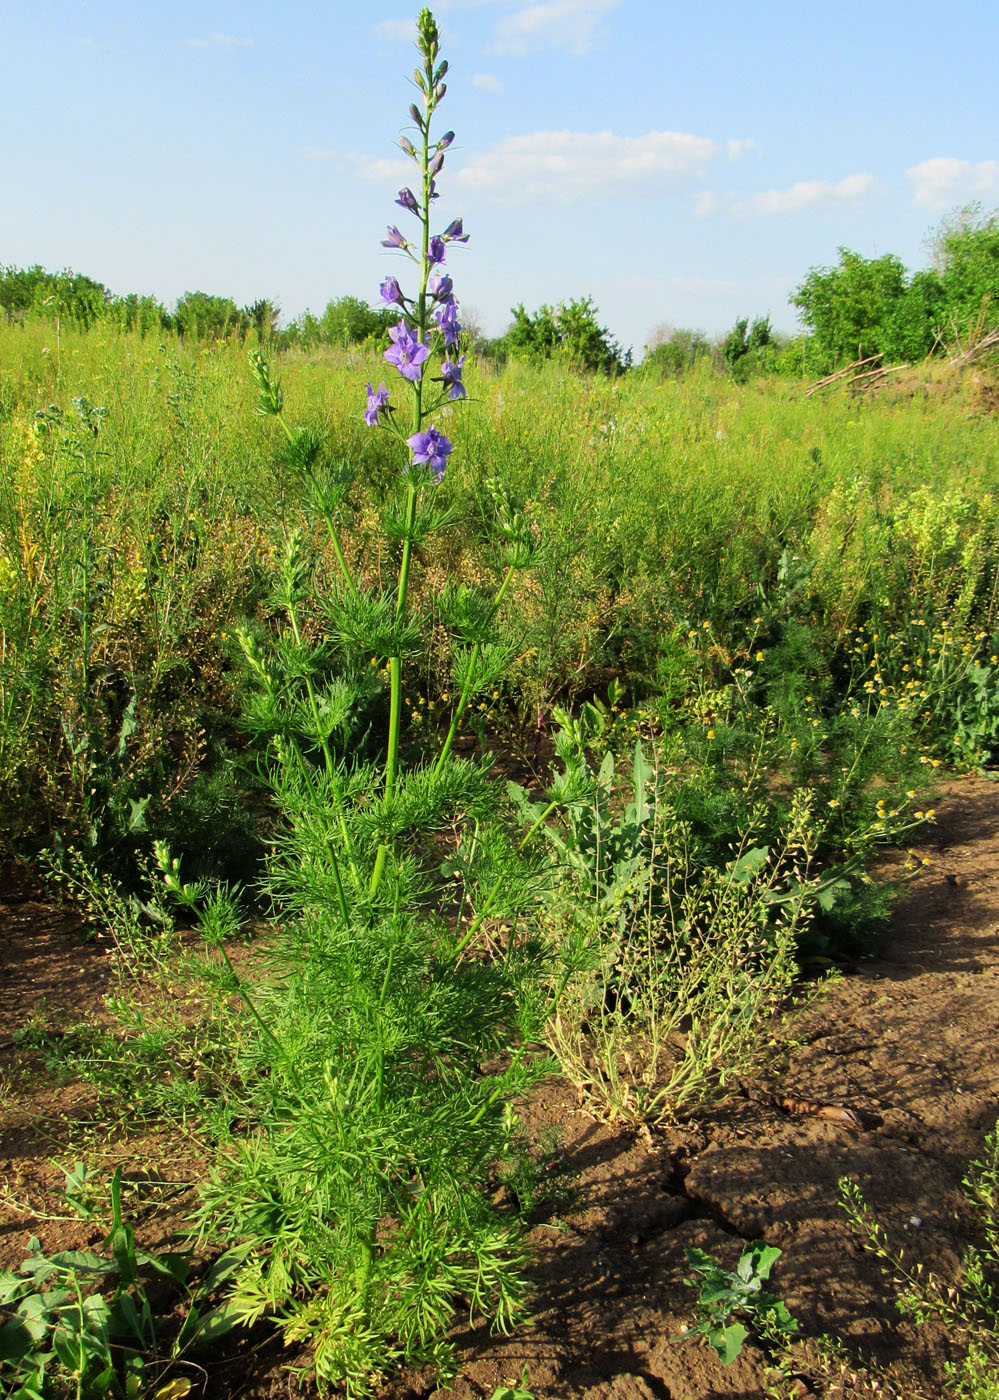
134 537
718 638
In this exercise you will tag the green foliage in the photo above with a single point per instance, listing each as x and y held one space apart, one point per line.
676 353
85 1323
726 1294
517 1390
968 1306
741 349
203 316
966 256
78 299
569 331
849 308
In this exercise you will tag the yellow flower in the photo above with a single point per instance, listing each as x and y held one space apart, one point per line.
711 733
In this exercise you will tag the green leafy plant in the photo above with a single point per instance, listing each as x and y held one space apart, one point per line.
969 1305
727 1294
387 1035
86 1323
517 1390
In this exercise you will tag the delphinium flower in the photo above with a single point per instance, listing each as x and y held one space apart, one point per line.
406 352
429 324
391 292
447 323
451 377
378 403
430 447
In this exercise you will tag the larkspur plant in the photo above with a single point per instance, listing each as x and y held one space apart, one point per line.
380 1064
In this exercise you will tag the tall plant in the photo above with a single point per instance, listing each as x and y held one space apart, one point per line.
389 1041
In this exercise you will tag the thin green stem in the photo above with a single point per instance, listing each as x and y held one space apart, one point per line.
490 900
521 1050
470 678
327 754
251 1007
330 526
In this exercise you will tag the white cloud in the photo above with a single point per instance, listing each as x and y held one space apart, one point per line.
570 24
806 194
943 181
743 147
485 82
397 31
317 153
568 165
382 167
219 41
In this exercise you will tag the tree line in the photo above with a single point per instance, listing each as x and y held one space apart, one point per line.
858 308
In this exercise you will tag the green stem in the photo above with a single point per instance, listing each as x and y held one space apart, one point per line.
470 678
520 1051
395 662
327 754
251 1007
483 913
330 526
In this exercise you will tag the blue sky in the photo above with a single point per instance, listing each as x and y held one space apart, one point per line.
680 164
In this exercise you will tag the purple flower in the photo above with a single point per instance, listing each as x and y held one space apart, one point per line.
445 141
436 251
431 447
451 375
391 292
440 286
436 165
395 238
407 200
406 352
378 402
454 234
447 323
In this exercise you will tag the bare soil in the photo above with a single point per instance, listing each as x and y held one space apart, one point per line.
894 1083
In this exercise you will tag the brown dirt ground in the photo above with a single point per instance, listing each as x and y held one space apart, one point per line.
908 1042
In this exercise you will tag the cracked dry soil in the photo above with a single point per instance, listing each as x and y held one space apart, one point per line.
908 1043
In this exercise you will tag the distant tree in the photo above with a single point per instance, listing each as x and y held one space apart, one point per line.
262 317
201 316
21 288
145 314
569 330
912 329
66 294
674 350
350 321
966 258
850 308
740 348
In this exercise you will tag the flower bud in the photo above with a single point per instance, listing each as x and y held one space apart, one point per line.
406 145
416 114
445 141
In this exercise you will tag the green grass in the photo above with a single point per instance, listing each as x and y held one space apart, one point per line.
659 506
